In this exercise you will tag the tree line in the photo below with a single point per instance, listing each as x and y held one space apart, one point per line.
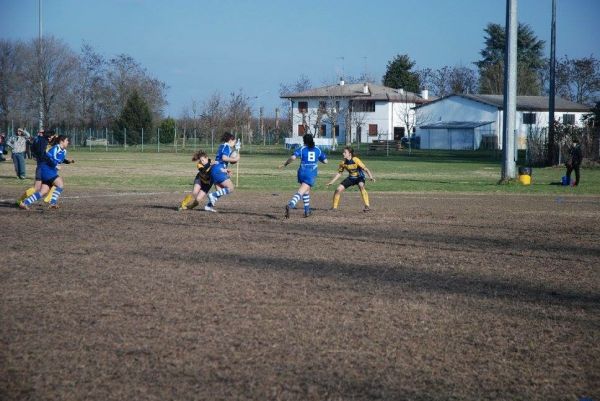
577 80
46 80
83 90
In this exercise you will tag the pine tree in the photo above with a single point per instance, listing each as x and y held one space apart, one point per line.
399 74
134 116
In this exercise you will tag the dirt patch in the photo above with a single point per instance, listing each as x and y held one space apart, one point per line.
428 297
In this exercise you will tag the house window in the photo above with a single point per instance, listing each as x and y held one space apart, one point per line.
336 130
569 119
302 107
300 129
323 130
372 129
528 118
337 105
322 106
363 106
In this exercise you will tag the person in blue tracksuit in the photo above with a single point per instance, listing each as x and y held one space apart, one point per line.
228 152
49 173
310 156
39 149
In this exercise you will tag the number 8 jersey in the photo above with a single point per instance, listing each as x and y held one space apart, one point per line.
309 159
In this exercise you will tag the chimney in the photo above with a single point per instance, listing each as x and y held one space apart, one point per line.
341 81
365 88
425 94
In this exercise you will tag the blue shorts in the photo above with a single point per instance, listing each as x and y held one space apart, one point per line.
38 172
307 177
217 176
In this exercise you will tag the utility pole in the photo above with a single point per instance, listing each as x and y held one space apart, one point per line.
260 125
551 157
510 94
40 69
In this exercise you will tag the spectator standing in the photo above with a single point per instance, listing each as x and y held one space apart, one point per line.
574 162
28 145
18 145
2 147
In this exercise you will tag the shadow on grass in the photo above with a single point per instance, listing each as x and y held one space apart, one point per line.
403 277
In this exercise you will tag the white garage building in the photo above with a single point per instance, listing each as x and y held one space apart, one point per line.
475 121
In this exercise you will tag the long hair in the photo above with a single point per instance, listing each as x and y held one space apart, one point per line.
198 155
227 136
57 139
309 141
350 149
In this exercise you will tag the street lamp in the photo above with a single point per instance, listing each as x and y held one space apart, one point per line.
259 126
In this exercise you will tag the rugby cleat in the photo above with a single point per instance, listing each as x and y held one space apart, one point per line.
287 211
211 199
307 213
53 207
210 209
23 206
367 209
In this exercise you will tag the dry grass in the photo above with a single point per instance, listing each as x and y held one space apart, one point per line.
430 297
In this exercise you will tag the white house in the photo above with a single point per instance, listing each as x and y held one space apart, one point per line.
475 121
363 111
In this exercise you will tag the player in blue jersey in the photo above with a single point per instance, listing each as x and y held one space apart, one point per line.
228 152
39 149
49 173
310 156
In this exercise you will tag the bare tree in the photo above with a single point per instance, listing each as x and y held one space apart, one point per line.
90 89
409 115
301 84
238 114
13 104
126 75
54 67
212 114
357 118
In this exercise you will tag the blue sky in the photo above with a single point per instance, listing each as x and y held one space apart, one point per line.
198 47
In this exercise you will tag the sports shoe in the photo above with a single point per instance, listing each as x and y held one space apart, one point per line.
287 211
333 209
211 199
181 208
210 209
23 206
367 209
307 212
53 207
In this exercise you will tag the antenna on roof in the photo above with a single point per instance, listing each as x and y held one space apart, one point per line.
340 70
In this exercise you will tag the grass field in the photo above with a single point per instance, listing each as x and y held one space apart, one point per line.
452 288
471 172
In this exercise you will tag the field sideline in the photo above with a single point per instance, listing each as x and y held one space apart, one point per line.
443 172
452 288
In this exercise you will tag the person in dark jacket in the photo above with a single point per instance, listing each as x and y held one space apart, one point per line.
574 162
39 147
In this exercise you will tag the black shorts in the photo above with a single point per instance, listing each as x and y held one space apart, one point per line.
349 181
50 181
204 187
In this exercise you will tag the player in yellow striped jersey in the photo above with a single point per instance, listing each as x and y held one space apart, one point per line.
356 176
202 182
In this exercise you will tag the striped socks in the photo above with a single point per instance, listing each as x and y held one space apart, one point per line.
55 195
294 200
32 198
306 200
